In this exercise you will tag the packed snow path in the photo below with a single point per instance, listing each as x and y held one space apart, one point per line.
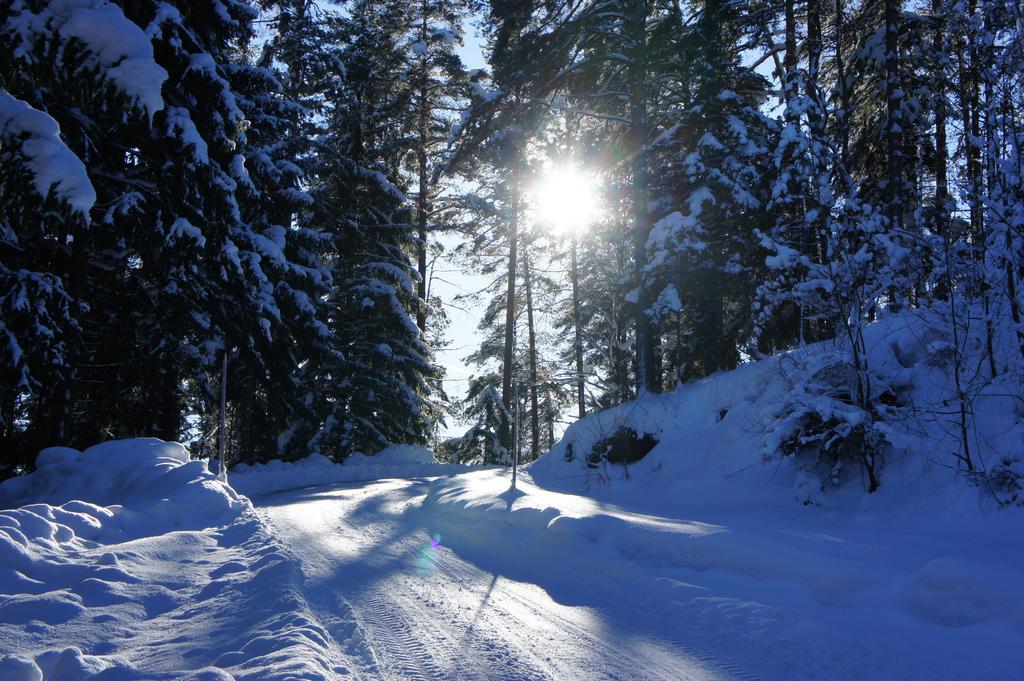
451 579
408 607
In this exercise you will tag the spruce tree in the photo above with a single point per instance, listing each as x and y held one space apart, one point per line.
377 391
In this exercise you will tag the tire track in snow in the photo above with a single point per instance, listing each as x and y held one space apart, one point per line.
401 653
419 631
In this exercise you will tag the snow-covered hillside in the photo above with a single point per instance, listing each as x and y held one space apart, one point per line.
722 441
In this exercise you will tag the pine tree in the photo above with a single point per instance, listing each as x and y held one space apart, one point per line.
269 400
196 254
44 189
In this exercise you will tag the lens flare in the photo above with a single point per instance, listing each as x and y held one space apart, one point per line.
427 563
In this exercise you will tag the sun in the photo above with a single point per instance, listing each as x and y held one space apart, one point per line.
564 199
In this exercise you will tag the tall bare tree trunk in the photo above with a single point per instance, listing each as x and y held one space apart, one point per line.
789 63
422 199
941 142
843 114
944 285
894 118
510 295
549 413
894 132
581 397
532 335
645 368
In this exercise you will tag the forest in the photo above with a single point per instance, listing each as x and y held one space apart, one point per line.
236 208
511 340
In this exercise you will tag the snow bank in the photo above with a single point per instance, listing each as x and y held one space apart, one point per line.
153 568
132 488
77 502
213 605
396 461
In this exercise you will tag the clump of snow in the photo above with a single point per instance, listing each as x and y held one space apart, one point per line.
395 461
53 166
181 228
181 127
395 455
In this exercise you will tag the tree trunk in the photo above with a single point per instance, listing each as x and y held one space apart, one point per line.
620 330
646 379
789 64
894 118
549 410
422 199
814 44
169 424
941 142
581 398
510 296
531 331
844 100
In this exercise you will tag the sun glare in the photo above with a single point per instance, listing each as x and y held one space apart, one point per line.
564 199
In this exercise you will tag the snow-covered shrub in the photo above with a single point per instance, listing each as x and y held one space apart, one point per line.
1004 481
823 427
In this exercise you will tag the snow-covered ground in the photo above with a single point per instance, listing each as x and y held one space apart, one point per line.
450 576
710 558
378 561
135 564
797 594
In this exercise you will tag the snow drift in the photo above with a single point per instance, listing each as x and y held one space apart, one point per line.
130 488
153 568
406 461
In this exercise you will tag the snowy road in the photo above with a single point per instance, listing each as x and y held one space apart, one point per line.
453 579
402 605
